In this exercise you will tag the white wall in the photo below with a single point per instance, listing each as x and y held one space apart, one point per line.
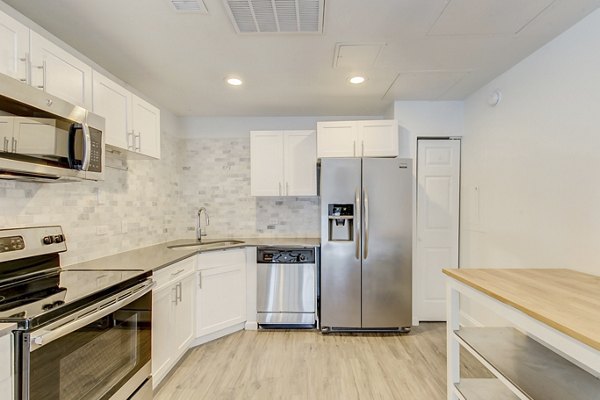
534 160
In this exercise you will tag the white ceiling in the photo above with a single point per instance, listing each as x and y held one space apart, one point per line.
408 50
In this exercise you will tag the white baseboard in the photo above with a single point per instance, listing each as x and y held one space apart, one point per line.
218 334
251 326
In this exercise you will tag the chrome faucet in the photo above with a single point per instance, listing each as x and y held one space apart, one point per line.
199 232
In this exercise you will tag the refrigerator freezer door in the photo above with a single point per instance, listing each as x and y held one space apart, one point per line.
340 261
387 254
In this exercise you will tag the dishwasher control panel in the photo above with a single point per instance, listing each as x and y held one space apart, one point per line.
271 255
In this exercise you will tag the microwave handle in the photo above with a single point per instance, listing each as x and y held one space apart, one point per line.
43 337
87 146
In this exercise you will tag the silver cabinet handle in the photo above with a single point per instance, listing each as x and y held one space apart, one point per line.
26 61
178 272
287 189
14 145
131 135
139 140
362 145
357 222
174 298
5 144
280 188
199 279
354 148
366 220
179 292
43 68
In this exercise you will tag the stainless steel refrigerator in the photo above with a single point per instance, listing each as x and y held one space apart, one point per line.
366 244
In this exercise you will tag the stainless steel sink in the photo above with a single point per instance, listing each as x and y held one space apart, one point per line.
205 244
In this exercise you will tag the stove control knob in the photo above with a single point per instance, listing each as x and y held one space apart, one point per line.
48 240
59 238
58 303
47 307
302 257
38 340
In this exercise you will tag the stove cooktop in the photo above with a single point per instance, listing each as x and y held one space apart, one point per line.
41 299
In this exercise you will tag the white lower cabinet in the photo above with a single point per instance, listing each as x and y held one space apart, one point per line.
220 293
6 367
172 316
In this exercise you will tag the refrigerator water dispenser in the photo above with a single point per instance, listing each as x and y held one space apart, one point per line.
341 222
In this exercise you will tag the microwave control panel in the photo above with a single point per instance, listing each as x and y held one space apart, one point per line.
96 151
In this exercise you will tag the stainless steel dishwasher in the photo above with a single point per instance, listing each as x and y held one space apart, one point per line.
287 287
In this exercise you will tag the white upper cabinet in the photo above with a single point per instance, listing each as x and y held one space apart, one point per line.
146 127
59 73
283 163
14 48
131 123
113 102
377 138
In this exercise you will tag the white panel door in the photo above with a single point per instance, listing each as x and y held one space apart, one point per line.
163 305
300 163
146 127
14 48
184 313
113 102
438 185
60 73
266 163
378 138
337 139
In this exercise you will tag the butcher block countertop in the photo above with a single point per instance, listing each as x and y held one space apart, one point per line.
566 300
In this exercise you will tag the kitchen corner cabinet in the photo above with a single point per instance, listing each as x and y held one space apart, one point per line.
14 48
132 124
378 138
6 366
59 73
283 163
172 316
548 344
220 291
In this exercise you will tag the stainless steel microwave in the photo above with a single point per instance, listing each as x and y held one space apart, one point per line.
44 138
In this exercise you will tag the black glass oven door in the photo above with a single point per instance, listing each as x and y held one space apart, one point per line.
94 361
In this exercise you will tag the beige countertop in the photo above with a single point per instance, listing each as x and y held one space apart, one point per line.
160 255
566 300
6 328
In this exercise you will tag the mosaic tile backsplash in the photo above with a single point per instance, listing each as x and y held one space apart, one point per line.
144 202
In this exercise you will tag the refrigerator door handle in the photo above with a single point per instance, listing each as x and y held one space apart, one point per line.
366 222
357 220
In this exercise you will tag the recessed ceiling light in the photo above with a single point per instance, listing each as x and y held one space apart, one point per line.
357 80
234 81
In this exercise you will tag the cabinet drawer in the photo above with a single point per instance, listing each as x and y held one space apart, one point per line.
5 357
174 272
216 259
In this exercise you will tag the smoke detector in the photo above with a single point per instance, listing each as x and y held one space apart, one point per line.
276 16
188 6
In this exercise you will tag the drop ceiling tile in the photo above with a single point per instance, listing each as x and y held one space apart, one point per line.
488 17
423 85
356 55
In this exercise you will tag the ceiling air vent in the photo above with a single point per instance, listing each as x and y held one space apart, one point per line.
276 16
189 6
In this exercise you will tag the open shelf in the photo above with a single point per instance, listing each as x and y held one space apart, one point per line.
484 389
530 367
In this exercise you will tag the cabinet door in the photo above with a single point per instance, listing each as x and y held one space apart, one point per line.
6 133
266 163
113 102
221 298
378 138
146 127
300 163
60 73
163 302
6 366
337 139
14 48
184 314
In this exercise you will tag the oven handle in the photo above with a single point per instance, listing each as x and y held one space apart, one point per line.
43 337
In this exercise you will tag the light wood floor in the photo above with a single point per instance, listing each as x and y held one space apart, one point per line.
308 365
